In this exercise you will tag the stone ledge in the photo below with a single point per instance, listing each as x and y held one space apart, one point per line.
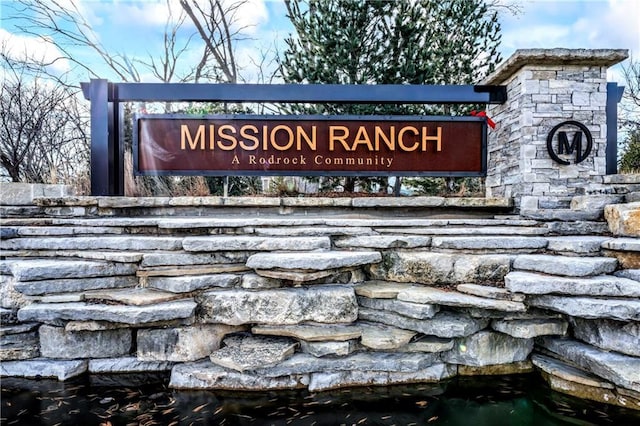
547 57
60 200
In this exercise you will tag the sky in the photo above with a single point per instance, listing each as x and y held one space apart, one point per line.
134 28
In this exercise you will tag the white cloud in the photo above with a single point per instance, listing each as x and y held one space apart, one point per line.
34 50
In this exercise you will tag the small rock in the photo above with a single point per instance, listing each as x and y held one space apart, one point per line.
489 348
243 353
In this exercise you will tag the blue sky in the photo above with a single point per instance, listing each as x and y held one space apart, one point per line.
134 28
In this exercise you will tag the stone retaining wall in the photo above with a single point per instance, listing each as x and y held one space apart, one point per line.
379 292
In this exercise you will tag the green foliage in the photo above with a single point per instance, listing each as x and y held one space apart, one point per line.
388 42
630 161
238 185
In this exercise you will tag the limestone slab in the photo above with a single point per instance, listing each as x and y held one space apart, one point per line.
311 333
489 348
594 202
423 294
428 344
317 261
560 369
255 281
242 353
180 271
632 274
254 243
576 244
623 219
126 365
622 244
384 337
489 242
587 307
152 259
301 363
73 285
441 268
489 292
340 379
443 324
380 289
623 337
44 269
35 368
298 276
131 296
409 309
124 243
622 370
205 375
106 256
470 230
50 312
56 231
288 231
330 304
189 283
181 344
603 285
56 342
566 266
6 329
519 367
320 349
383 242
529 328
19 346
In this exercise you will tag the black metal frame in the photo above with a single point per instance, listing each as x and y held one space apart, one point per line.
107 147
425 118
614 96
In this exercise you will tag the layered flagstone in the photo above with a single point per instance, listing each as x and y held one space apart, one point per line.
39 368
441 268
56 342
317 261
559 265
254 243
442 324
423 294
181 344
601 285
330 304
489 348
43 269
80 311
590 307
622 370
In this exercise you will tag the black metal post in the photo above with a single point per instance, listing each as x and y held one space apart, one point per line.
100 118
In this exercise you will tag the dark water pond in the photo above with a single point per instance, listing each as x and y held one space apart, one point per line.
477 401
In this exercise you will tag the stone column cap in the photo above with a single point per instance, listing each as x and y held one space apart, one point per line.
523 57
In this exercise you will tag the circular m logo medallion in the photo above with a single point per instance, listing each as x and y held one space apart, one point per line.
558 142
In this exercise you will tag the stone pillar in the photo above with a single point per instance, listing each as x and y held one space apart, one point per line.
546 87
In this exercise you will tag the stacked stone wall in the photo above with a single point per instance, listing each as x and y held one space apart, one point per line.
546 87
369 296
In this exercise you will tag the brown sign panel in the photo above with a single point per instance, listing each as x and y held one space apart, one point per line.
317 145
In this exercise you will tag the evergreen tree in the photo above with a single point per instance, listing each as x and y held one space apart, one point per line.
388 42
630 161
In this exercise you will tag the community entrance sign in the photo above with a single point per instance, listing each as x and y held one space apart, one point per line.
316 145
286 145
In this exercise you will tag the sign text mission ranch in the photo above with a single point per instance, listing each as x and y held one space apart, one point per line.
315 145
